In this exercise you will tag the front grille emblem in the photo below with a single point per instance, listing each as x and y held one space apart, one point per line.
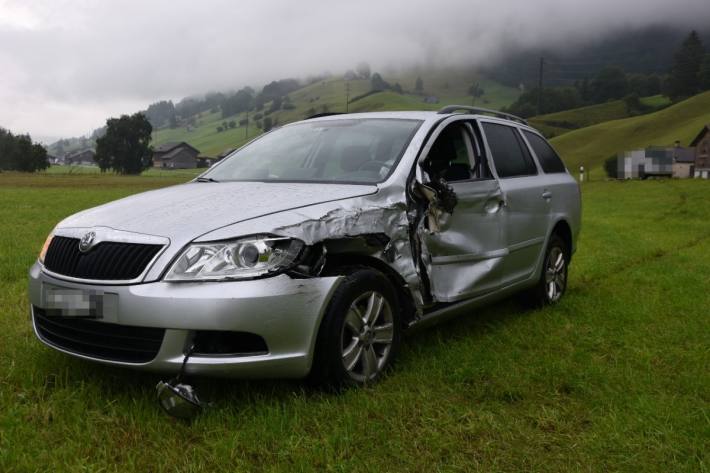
87 241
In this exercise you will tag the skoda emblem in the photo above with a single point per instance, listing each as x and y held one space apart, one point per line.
86 242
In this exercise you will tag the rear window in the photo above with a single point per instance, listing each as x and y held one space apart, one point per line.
510 156
549 160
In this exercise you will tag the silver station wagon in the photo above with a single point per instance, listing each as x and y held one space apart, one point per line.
309 251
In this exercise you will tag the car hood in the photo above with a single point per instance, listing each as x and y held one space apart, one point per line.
184 212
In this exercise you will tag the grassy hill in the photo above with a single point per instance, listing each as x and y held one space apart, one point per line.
449 86
590 146
555 124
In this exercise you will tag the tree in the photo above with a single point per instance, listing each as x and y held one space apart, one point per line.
704 73
475 91
267 124
259 102
275 104
23 159
554 99
684 79
652 85
419 85
160 113
633 103
237 103
397 88
584 89
19 153
377 83
232 124
287 105
610 83
363 70
125 148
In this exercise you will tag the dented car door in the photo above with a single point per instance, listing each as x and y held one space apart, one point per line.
462 235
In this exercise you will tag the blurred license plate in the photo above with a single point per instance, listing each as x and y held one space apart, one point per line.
74 302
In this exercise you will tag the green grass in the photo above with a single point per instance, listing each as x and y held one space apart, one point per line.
450 86
614 378
590 146
555 124
656 101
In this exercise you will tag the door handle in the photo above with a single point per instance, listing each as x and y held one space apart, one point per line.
547 195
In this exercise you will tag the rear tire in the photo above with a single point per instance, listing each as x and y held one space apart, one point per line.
360 332
552 284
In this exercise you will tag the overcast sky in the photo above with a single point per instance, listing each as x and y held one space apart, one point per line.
67 65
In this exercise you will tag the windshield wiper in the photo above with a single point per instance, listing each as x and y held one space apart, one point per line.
205 179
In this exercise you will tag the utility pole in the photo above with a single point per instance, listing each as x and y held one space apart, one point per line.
539 86
347 96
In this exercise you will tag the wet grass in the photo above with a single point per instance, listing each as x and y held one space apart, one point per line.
614 378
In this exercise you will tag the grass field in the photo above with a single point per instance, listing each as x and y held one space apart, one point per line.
590 146
614 378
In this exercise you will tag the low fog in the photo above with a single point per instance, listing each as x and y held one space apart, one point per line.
66 65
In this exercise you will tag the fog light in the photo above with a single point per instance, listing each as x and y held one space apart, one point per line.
178 400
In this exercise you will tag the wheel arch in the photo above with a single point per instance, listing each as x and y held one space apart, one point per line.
404 298
563 229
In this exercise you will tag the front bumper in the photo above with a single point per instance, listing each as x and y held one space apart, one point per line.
285 312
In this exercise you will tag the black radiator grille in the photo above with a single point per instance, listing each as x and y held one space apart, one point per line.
109 261
99 340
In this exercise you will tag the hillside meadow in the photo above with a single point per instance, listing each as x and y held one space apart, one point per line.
590 146
558 123
614 378
330 95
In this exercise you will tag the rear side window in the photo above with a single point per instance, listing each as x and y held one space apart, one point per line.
510 157
549 161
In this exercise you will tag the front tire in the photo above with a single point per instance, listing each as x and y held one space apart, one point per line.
360 332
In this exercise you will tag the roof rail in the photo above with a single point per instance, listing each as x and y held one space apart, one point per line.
487 111
327 114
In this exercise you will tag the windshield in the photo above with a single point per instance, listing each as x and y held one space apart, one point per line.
360 151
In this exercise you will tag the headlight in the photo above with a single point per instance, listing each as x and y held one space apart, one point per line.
45 247
237 259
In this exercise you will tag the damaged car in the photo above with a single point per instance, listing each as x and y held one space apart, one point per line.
312 249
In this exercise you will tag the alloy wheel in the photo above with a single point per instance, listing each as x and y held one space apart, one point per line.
367 335
555 274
